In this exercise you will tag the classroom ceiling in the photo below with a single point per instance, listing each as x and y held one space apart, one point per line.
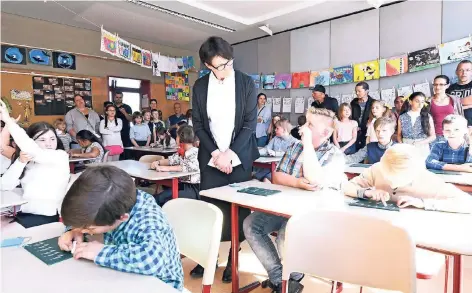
135 21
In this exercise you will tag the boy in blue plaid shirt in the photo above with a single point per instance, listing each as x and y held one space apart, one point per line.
454 153
137 237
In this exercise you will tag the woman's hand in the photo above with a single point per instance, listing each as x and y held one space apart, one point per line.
25 158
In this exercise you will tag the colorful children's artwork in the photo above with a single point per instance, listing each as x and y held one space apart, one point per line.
155 64
180 64
203 72
287 107
405 91
188 62
147 58
319 77
300 79
39 57
268 81
137 54
388 96
394 65
424 87
63 60
124 49
276 105
257 79
455 50
423 59
366 71
283 81
341 75
13 55
299 105
108 43
177 87
20 95
374 95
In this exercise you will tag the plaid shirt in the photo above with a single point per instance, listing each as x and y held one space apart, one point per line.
442 154
145 244
330 157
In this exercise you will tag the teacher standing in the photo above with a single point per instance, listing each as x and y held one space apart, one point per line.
224 107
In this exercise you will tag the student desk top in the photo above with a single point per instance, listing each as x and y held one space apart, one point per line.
436 231
462 181
267 162
12 198
157 150
23 272
73 161
141 171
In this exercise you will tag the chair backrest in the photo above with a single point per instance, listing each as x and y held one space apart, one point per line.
150 158
105 156
350 248
197 226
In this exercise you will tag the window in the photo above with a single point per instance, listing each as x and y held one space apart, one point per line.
130 88
125 82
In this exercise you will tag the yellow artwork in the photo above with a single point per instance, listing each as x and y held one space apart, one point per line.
366 71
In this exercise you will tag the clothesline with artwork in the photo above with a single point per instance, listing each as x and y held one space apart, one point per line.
114 45
411 62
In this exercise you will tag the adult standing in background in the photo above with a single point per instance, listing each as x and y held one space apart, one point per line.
463 89
361 107
224 108
174 119
153 104
264 117
81 118
322 100
124 113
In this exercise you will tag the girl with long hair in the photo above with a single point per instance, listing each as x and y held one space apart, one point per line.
91 147
110 128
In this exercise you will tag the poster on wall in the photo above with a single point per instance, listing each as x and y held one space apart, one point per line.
155 64
269 102
455 50
63 60
300 80
423 59
268 81
287 105
341 75
177 87
366 71
405 91
13 55
319 77
347 98
374 95
147 59
257 79
283 81
388 96
39 57
393 66
424 87
299 105
108 43
276 104
136 54
124 49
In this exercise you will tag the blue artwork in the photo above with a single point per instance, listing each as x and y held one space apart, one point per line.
341 75
257 79
13 55
63 60
39 57
268 81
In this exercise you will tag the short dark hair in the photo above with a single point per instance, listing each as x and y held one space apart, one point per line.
107 103
181 123
464 62
77 95
261 94
442 76
215 46
301 120
364 85
99 197
136 115
186 134
118 93
152 100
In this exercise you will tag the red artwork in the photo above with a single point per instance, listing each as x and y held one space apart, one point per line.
300 80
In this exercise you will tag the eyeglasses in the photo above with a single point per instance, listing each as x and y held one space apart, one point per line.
223 66
439 84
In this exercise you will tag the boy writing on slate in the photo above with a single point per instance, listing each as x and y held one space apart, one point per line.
401 177
312 164
372 152
137 237
454 153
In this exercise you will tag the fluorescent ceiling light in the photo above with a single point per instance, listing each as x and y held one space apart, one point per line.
181 15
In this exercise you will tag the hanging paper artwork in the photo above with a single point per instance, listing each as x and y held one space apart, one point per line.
347 98
282 81
341 75
269 102
155 64
164 64
366 71
268 81
319 77
20 95
287 105
300 80
299 105
310 101
13 55
424 87
257 80
136 54
177 87
172 64
180 64
108 43
124 49
388 96
423 59
374 95
63 60
203 72
276 104
394 66
455 50
39 57
147 58
188 62
405 91
338 98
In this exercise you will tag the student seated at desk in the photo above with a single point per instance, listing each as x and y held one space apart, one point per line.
91 147
276 147
373 151
137 237
401 177
42 168
164 139
322 167
185 160
454 153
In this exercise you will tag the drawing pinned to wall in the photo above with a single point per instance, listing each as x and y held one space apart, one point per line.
20 95
177 87
424 87
203 72
299 105
405 91
39 57
300 80
347 98
282 81
374 95
124 49
338 98
164 63
388 96
136 54
269 102
257 80
319 77
310 101
366 71
180 64
393 66
455 50
341 75
63 60
108 42
423 59
13 55
147 59
287 105
268 81
188 62
172 64
155 64
276 105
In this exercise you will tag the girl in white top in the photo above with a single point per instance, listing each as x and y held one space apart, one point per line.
90 147
42 168
378 110
345 131
110 128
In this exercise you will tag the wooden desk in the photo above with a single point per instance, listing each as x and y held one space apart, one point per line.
12 198
23 272
267 162
141 170
73 161
462 181
435 231
165 152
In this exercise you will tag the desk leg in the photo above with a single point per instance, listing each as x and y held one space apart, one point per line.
457 274
272 169
72 168
175 188
235 253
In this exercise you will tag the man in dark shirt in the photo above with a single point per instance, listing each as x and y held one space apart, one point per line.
174 119
124 113
322 100
361 107
463 88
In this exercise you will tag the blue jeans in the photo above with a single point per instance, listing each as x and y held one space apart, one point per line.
257 227
262 141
